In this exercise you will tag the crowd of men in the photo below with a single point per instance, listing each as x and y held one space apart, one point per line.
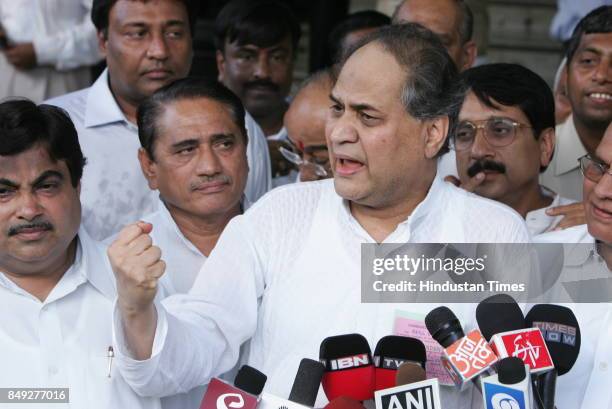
144 250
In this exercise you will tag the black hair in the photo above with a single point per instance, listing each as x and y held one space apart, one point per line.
259 22
432 87
187 88
466 28
598 21
516 86
100 11
24 125
354 22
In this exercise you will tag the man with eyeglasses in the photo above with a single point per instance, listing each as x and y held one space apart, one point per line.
505 138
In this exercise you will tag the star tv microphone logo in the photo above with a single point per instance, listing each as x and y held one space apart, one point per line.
526 351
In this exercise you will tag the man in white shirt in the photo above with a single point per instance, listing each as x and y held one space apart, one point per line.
504 140
147 45
48 47
587 276
589 89
56 287
286 274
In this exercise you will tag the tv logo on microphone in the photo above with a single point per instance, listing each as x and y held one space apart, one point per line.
502 397
559 333
418 395
471 354
347 362
529 346
221 401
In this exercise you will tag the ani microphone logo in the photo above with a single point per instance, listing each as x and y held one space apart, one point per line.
222 404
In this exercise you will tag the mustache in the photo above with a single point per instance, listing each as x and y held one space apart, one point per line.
262 84
482 165
14 230
210 179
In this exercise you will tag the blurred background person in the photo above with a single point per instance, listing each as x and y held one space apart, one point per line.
46 47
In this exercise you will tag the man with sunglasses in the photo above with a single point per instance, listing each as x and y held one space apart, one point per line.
505 139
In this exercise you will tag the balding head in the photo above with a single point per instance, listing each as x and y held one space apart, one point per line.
451 20
305 120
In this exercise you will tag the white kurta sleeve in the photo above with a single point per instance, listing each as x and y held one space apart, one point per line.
73 47
199 334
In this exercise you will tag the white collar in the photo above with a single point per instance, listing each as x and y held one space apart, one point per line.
569 147
102 108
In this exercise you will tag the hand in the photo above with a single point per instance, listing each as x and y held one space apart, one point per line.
280 165
22 56
138 266
573 215
470 185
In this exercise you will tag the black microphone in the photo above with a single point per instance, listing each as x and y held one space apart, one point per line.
561 333
391 352
307 381
497 314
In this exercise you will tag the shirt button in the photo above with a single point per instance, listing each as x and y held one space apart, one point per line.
603 366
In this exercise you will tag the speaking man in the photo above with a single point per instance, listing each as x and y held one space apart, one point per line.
147 44
505 139
285 275
56 288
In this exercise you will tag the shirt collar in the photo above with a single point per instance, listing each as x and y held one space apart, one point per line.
569 147
537 220
102 108
582 250
414 219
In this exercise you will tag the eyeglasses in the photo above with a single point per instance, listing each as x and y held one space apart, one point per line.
297 160
593 169
498 132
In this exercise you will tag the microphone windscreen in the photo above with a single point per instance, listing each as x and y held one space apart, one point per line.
307 381
408 373
344 403
497 314
444 326
511 370
392 351
348 367
250 380
561 332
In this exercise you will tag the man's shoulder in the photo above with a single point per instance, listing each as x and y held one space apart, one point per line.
74 103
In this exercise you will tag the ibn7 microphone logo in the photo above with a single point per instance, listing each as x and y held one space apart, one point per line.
529 346
471 355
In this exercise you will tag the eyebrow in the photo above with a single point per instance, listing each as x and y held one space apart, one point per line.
7 182
355 107
46 175
220 136
185 143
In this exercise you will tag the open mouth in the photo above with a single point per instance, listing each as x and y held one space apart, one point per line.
347 167
600 96
602 213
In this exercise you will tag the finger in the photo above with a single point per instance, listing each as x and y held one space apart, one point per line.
158 269
139 245
129 233
145 227
473 183
568 222
452 179
561 210
150 256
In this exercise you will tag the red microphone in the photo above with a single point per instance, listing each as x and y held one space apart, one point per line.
528 345
248 384
348 366
344 403
391 352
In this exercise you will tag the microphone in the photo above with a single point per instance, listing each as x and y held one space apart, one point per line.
465 356
561 332
409 372
344 403
393 351
349 370
424 394
303 392
248 384
509 388
499 316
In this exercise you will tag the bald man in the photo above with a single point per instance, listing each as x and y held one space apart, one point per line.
451 20
305 123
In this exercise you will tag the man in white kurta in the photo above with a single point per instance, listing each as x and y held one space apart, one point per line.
51 45
56 288
286 274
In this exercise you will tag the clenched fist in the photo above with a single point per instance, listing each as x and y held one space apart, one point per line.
137 265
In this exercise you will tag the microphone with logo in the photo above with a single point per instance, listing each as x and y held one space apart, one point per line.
303 392
248 384
413 390
501 320
393 351
561 332
465 356
348 366
509 388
